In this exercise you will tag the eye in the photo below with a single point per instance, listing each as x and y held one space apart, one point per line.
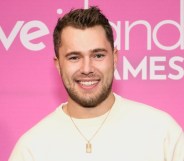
99 56
73 58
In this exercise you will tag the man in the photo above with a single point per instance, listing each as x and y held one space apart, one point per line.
95 123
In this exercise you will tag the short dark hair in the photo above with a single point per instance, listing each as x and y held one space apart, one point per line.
82 19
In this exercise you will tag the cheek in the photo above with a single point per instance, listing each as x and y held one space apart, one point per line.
106 71
107 67
68 72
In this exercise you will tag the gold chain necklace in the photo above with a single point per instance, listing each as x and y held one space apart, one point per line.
88 141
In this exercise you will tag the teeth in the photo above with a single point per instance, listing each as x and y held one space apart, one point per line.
88 83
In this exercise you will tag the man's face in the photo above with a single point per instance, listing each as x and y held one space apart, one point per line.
86 64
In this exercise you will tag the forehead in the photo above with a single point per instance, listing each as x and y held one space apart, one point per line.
84 39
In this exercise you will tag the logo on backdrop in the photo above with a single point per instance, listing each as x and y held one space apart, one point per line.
22 28
176 63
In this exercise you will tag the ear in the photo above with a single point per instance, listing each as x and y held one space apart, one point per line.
57 65
115 54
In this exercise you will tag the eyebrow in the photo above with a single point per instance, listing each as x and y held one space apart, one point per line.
73 53
92 51
98 50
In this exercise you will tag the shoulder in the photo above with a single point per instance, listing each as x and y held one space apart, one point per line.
143 114
44 129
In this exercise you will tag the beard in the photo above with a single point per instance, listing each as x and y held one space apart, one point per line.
88 99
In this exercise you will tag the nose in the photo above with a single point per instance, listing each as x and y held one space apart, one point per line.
87 66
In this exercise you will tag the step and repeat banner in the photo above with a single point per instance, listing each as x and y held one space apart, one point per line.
149 35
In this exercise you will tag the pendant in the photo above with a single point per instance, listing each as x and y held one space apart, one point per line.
88 147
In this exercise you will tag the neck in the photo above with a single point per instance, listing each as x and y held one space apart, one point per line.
77 111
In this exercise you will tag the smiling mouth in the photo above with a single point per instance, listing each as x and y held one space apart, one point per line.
88 83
